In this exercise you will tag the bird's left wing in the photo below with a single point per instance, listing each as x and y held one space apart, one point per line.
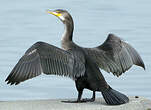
115 55
46 58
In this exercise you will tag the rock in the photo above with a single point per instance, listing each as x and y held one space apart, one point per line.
138 103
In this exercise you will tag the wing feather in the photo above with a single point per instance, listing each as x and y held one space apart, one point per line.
46 58
115 55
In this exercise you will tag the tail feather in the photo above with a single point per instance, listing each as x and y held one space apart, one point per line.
113 97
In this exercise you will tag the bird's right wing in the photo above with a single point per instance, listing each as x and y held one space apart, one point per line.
46 58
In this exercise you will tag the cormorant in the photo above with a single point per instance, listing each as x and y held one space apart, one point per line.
79 63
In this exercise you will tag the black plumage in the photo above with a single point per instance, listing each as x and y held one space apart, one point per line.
80 64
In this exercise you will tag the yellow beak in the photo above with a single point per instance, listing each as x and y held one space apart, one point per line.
54 13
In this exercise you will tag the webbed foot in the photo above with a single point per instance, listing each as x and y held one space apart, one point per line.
80 101
75 101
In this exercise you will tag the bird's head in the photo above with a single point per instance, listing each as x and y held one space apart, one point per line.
63 15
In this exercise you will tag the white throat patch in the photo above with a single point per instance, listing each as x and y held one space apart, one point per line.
62 18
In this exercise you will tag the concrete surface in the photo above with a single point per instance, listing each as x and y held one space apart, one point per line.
56 104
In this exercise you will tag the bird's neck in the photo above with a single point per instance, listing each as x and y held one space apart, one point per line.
67 36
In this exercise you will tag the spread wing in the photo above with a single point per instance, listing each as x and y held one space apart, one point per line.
46 58
115 55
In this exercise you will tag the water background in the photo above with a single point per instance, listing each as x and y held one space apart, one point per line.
24 22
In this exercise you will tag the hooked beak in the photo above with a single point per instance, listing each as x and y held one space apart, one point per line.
54 13
58 14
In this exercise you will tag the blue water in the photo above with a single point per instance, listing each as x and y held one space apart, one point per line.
24 22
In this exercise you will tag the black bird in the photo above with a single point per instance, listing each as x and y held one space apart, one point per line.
80 64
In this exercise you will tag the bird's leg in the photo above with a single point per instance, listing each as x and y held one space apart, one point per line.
79 96
78 99
90 100
93 97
